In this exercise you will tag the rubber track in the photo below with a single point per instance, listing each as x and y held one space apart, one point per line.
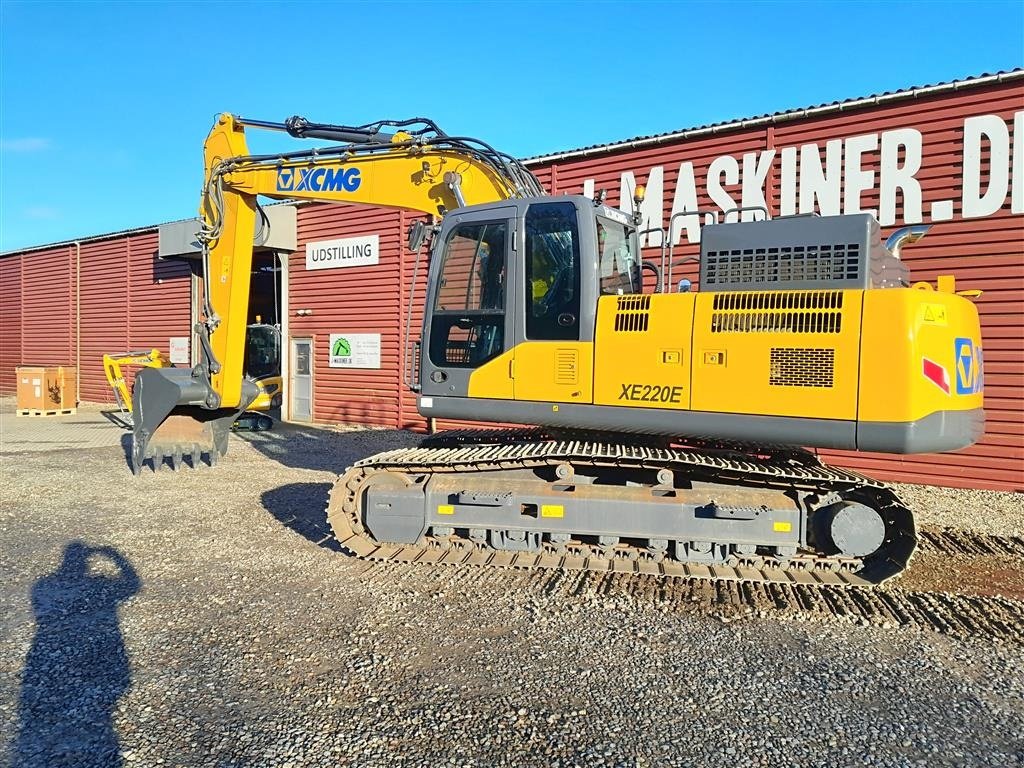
482 450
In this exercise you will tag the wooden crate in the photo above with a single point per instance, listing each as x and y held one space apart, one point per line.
47 390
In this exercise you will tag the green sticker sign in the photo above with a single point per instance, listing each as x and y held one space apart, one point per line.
341 347
355 350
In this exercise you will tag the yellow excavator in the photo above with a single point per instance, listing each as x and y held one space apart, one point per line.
669 429
112 363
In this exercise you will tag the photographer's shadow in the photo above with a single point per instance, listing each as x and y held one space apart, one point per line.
77 667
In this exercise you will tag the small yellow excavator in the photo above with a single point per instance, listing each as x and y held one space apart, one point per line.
115 376
670 428
263 367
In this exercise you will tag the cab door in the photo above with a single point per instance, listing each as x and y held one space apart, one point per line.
466 323
553 364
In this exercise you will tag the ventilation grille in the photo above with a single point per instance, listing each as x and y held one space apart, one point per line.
801 367
780 300
776 312
776 322
782 265
566 366
633 313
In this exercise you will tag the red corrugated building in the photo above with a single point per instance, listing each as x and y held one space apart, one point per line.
951 155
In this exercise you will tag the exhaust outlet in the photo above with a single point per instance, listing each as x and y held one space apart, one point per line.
905 236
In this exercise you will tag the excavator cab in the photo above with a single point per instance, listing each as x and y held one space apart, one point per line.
513 300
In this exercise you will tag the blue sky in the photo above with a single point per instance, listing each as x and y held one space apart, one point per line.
104 106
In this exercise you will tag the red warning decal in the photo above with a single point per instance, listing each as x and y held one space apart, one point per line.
936 374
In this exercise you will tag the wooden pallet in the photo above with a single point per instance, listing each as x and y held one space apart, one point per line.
53 412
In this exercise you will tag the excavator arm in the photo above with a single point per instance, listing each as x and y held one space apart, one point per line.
417 167
432 174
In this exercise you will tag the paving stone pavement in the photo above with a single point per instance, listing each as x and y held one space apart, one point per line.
88 428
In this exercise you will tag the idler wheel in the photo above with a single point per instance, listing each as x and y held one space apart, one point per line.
856 530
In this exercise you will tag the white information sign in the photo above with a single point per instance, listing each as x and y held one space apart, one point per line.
345 252
179 350
355 350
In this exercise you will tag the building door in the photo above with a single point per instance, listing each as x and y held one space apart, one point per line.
301 383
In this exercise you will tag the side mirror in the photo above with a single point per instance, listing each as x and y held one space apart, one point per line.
417 234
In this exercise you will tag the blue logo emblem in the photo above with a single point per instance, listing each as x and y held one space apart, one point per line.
969 374
318 179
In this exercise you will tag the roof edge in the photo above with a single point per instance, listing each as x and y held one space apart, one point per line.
122 233
83 240
779 117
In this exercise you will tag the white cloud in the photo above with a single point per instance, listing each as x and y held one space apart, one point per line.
27 144
41 212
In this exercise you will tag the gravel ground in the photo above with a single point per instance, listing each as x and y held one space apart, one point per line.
206 618
996 513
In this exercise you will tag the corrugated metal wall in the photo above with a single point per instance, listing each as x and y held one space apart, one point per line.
350 300
159 294
47 300
123 298
10 321
984 253
103 297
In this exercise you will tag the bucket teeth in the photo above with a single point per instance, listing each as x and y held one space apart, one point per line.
177 455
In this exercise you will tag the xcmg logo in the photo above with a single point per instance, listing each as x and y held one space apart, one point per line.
318 179
969 374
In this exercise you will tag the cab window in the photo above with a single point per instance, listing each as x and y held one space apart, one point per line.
619 266
552 272
469 306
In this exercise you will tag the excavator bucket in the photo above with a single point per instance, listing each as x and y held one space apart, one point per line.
171 421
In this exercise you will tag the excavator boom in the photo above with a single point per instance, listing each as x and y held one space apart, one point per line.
418 167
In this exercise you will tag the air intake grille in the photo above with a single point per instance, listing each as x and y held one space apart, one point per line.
633 313
566 366
801 367
782 265
778 312
793 253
